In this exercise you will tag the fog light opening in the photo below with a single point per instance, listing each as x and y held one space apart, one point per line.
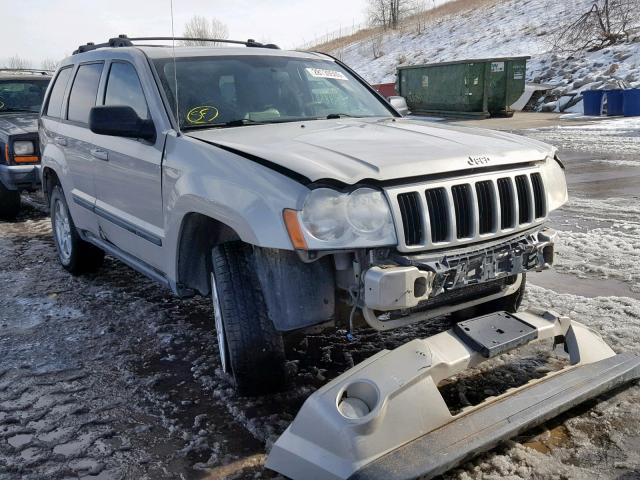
358 400
420 287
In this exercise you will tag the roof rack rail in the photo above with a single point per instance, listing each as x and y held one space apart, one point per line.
41 71
124 41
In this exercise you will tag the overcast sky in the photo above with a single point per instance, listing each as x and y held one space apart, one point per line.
39 29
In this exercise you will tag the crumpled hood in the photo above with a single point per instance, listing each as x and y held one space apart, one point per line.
351 150
18 123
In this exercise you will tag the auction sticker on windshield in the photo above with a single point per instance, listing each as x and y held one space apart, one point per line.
324 73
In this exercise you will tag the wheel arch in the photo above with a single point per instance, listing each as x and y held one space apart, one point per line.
49 180
198 235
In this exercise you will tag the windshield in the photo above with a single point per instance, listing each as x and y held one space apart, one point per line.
243 90
22 95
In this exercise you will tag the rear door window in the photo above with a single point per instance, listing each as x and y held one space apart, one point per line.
54 107
124 88
84 92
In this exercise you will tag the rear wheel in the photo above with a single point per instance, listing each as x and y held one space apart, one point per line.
251 350
9 203
75 255
510 304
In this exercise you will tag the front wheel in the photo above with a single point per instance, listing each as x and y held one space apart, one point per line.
75 255
251 349
9 203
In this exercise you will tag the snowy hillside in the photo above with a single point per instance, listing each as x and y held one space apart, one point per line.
502 28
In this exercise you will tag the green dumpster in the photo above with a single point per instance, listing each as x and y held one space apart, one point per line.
479 88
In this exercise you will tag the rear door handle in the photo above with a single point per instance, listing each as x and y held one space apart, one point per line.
100 154
60 141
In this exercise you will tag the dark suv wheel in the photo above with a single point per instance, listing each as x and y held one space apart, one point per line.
75 255
251 349
9 203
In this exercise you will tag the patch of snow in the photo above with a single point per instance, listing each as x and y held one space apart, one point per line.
581 252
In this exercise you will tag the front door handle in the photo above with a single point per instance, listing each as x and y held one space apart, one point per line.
60 141
100 154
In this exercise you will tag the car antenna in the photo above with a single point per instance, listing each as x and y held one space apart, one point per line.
175 71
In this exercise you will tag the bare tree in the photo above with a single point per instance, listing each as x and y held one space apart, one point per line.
389 13
49 64
200 27
18 62
606 23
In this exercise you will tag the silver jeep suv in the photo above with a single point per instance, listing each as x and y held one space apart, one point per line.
283 185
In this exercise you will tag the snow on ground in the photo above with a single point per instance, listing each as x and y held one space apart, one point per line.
609 137
505 28
581 252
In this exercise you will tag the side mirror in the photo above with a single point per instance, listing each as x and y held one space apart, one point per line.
120 121
400 104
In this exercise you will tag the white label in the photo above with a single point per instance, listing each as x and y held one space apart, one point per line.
323 73
497 67
518 75
425 81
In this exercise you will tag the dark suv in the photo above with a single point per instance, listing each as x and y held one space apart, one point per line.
21 94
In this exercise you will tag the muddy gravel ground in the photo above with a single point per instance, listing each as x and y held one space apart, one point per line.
107 376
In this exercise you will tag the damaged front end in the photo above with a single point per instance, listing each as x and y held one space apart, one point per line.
386 419
397 289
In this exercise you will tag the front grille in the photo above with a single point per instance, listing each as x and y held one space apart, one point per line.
486 210
522 187
462 207
438 214
410 210
539 199
449 212
507 212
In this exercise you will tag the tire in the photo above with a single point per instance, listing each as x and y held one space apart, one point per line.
75 255
9 203
251 349
510 304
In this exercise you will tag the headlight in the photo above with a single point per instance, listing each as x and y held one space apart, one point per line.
23 147
330 219
367 211
555 184
324 214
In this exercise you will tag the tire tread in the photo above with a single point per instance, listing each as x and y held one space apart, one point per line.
255 347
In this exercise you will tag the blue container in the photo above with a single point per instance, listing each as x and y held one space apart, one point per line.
631 100
592 101
615 102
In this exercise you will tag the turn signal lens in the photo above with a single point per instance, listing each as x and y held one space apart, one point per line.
294 230
26 159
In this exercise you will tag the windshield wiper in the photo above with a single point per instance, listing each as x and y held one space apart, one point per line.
242 121
231 123
333 116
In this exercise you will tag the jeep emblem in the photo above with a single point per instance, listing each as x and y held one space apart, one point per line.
475 161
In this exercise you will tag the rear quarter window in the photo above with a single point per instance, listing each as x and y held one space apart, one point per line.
84 92
54 106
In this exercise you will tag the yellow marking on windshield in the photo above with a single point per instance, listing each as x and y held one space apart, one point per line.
202 114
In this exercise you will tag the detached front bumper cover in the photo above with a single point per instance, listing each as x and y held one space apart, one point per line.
386 419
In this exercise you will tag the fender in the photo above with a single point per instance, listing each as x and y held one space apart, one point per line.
247 197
